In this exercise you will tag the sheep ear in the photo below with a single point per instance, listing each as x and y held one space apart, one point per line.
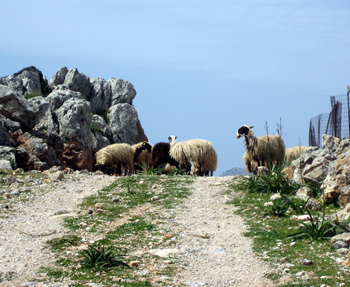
251 127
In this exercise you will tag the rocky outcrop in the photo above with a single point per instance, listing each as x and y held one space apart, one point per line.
328 166
63 121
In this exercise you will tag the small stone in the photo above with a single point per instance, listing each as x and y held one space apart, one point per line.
99 206
134 263
116 199
307 262
169 235
345 237
301 274
346 263
343 251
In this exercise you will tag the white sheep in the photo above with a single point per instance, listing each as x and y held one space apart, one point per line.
261 151
293 153
115 157
200 152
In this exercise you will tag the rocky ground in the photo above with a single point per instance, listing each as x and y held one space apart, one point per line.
211 244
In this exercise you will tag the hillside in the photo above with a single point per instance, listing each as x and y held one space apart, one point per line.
234 171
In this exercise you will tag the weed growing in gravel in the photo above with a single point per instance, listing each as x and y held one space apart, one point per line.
101 257
126 217
304 253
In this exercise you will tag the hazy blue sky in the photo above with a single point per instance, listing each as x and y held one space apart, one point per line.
201 69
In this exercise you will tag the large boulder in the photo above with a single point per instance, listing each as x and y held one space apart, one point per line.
16 108
74 118
78 82
6 135
17 157
27 81
44 150
61 94
337 183
59 77
100 98
123 120
121 91
44 118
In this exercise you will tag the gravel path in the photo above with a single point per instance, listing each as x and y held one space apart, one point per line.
24 231
212 247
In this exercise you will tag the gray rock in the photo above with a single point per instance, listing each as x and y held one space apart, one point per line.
27 81
340 244
5 165
16 108
343 251
99 141
18 157
59 77
123 121
44 119
101 126
100 99
330 143
345 237
316 171
121 91
6 135
74 118
60 95
78 82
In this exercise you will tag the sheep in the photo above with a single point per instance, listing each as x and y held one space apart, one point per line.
261 151
207 166
200 152
162 159
294 153
250 165
115 157
142 156
112 158
160 155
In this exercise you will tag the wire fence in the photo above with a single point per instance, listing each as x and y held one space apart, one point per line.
336 123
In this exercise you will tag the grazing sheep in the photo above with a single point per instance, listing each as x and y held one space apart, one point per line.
142 156
261 151
294 153
200 152
162 159
209 164
112 158
160 155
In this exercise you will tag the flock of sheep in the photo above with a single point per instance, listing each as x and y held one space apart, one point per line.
125 159
197 156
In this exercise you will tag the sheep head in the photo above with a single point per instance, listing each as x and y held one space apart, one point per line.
147 146
172 139
244 130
